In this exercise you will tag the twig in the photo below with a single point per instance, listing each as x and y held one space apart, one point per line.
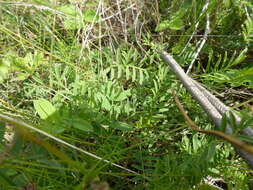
193 89
209 103
117 13
232 140
40 7
123 24
90 27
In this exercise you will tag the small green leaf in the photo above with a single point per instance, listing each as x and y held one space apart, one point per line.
232 121
21 77
240 58
245 138
105 103
210 152
223 123
82 125
174 24
122 95
53 128
44 108
134 75
119 72
73 19
246 123
121 126
227 3
195 143
141 77
112 74
127 73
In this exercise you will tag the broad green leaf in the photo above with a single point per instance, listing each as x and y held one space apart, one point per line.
44 108
90 16
53 128
21 77
164 25
82 125
4 69
68 9
177 48
73 20
73 23
121 126
176 24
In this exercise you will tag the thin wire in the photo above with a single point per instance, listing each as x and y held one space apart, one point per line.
201 35
201 42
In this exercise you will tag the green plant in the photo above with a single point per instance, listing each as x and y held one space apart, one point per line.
89 73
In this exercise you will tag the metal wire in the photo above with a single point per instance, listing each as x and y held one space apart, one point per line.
212 105
210 35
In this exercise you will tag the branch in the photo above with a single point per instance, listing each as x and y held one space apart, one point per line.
232 140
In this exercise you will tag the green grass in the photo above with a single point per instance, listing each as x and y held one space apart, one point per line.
90 74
